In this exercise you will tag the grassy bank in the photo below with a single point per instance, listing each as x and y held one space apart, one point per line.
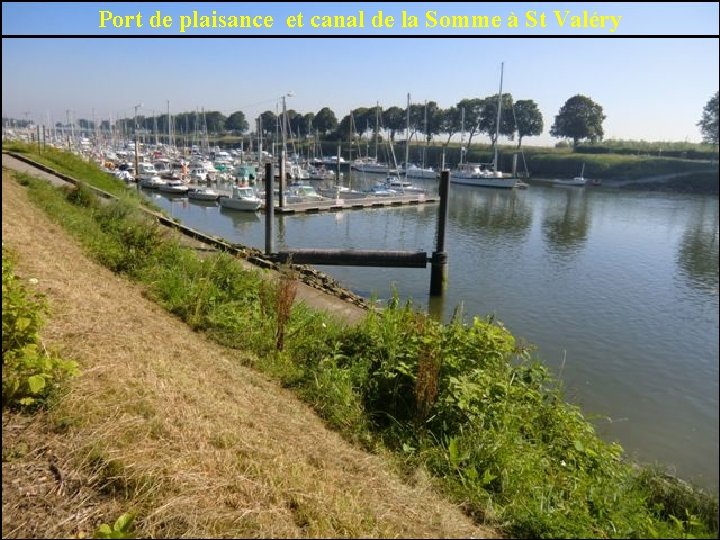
462 401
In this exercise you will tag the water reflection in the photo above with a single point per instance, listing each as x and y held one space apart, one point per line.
242 221
698 253
567 221
496 212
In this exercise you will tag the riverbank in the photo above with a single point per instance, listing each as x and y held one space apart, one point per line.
328 369
198 444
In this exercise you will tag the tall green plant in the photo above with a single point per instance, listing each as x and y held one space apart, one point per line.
29 372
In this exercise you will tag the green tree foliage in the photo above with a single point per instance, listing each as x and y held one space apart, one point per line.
528 119
487 121
450 122
363 119
309 120
432 121
237 122
393 118
215 122
417 116
709 121
268 120
473 109
579 118
298 122
325 120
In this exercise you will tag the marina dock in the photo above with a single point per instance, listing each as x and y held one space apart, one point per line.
336 205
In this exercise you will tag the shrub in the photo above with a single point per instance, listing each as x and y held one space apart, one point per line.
29 373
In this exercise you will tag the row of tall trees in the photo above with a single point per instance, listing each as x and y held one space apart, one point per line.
472 116
580 118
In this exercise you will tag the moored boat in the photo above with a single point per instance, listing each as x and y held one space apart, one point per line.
203 194
176 187
242 198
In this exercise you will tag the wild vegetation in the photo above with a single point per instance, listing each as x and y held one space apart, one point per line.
30 373
461 400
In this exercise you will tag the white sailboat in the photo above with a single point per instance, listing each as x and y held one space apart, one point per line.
576 181
411 170
370 164
479 175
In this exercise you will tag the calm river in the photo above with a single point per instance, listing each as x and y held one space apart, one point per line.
617 289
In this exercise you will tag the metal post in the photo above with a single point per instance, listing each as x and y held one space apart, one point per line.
269 209
439 262
38 136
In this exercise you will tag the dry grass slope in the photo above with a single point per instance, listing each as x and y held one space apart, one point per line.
169 425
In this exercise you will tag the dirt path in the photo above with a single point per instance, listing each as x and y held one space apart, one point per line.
200 445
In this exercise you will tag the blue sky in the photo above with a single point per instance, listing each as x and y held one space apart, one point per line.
651 87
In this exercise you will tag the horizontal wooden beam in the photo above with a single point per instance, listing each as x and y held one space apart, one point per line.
351 257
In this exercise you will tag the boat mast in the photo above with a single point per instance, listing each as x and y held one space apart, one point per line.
425 133
377 127
407 134
497 123
462 134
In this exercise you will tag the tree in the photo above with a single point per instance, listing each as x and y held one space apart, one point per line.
237 122
709 121
268 122
393 119
309 119
473 109
325 120
215 122
579 118
298 123
450 123
528 119
433 114
487 122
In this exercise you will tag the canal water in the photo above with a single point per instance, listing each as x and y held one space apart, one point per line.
618 290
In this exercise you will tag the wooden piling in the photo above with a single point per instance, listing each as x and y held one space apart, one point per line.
269 214
439 261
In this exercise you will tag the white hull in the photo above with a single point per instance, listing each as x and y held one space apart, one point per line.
243 198
578 182
174 186
200 194
491 182
372 168
152 183
420 173
342 192
250 204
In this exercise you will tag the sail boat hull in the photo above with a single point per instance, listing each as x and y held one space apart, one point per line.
491 182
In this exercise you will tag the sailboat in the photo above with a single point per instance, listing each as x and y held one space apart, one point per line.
576 181
369 164
411 170
479 175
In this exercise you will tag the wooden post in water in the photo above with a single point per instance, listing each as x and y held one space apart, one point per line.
439 261
269 210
